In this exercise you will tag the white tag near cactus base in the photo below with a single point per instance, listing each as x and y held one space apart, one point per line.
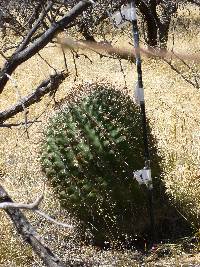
126 14
143 177
139 94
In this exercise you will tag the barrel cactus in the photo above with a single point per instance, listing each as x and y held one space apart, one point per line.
90 151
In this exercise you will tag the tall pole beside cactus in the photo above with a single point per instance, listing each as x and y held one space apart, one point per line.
139 93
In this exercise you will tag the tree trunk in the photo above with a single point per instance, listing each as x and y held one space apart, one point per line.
168 9
150 17
86 33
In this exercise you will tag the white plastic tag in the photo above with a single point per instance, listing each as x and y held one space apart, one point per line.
144 177
139 94
126 14
131 12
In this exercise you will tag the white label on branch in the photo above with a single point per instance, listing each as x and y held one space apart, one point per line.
126 14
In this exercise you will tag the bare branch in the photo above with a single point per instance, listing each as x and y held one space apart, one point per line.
125 53
195 84
30 236
75 66
122 71
10 125
44 88
25 111
48 218
31 206
2 54
19 57
65 60
34 28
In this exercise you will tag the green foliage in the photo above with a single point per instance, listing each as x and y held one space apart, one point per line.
90 151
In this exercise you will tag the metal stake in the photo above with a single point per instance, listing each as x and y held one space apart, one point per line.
143 112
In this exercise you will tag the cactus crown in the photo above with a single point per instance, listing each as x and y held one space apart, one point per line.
90 151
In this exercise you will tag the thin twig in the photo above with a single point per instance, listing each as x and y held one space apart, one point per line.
181 74
192 69
75 66
47 62
47 86
65 59
2 54
33 207
122 70
10 125
42 113
85 56
48 218
21 101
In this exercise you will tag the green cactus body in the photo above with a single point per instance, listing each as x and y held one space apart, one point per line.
90 151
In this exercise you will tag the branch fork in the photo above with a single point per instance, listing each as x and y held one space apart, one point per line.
34 206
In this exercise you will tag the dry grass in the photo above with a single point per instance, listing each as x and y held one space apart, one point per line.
173 109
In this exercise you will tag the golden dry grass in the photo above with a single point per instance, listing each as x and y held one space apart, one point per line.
173 109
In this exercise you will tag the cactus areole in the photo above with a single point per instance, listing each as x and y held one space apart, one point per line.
90 151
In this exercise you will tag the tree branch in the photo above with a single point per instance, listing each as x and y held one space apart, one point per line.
33 207
30 236
34 28
48 218
10 125
44 88
19 57
124 53
98 47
